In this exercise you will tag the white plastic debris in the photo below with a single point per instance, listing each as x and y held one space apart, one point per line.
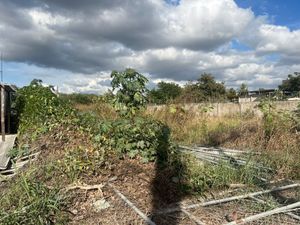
101 205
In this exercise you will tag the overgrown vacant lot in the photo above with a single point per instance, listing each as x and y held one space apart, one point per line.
88 153
275 135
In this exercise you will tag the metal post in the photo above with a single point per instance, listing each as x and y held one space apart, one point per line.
3 112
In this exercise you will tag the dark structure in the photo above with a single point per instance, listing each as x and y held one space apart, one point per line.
262 92
8 113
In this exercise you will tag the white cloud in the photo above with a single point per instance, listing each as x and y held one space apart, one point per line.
87 39
271 38
94 83
205 24
43 19
245 70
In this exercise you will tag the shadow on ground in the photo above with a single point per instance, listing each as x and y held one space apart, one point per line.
166 187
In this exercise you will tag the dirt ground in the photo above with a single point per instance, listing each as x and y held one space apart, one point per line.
151 191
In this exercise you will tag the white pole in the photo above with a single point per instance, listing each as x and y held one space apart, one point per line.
131 205
265 214
224 200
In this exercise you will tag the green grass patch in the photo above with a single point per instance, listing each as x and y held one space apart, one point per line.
31 202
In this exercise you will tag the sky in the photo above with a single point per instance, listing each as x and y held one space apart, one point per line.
75 44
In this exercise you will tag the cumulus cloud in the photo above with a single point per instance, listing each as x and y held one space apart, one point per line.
271 38
92 84
165 41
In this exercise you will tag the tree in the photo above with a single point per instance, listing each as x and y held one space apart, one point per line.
210 89
292 83
165 92
191 93
36 82
131 91
205 89
243 90
231 94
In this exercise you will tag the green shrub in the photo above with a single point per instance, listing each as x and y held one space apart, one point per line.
40 109
134 137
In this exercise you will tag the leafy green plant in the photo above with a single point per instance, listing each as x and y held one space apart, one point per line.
134 137
40 109
130 134
131 91
18 152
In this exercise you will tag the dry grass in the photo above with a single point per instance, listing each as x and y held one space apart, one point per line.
101 109
189 127
280 147
281 150
85 107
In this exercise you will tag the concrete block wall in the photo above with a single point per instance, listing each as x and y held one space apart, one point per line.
225 109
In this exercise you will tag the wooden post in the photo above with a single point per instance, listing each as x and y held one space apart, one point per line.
8 98
3 112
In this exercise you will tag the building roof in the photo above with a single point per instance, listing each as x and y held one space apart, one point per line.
9 87
263 91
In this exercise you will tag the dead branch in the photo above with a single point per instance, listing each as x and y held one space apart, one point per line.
85 187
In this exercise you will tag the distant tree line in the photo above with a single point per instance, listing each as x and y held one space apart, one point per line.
291 84
207 89
204 89
79 98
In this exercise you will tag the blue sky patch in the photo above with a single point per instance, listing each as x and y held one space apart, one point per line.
237 45
280 12
173 2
